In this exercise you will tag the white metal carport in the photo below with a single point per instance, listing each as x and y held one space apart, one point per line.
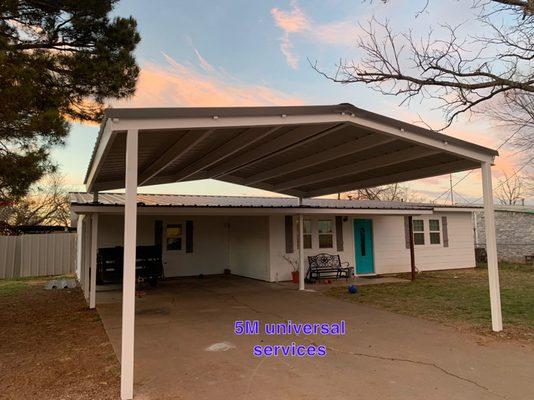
302 151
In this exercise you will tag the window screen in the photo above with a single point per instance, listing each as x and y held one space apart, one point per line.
418 232
433 225
307 234
325 231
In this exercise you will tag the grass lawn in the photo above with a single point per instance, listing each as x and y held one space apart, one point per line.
460 297
53 346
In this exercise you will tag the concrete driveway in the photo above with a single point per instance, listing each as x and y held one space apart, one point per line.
381 356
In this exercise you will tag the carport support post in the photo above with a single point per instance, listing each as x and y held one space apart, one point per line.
92 271
79 247
87 255
128 285
301 252
491 248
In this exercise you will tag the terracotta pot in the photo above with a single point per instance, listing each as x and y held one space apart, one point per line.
295 276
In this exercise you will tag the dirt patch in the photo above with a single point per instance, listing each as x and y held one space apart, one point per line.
53 346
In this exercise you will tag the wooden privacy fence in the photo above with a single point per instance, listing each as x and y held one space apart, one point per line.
37 255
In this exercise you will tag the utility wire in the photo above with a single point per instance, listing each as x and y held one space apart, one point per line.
507 179
470 172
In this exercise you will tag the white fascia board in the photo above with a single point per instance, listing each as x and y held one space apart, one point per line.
225 122
244 211
436 143
230 122
104 145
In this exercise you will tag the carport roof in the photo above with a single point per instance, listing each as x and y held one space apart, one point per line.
302 151
204 201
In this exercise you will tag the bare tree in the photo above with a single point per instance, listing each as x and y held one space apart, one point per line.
46 204
393 192
511 189
516 112
460 70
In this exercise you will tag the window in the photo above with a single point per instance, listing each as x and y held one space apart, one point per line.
418 232
307 234
433 226
174 237
325 231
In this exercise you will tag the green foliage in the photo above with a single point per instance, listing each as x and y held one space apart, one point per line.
60 60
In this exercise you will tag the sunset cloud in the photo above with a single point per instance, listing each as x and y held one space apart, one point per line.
179 85
295 22
291 21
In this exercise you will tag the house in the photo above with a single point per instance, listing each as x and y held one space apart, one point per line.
515 232
300 151
255 236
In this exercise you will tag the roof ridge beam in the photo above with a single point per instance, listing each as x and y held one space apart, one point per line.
162 161
396 157
418 173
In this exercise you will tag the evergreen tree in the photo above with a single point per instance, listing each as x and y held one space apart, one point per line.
60 61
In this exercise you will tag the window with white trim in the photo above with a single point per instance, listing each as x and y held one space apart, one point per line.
434 229
325 231
418 232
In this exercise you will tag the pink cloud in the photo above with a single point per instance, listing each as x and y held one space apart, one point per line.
291 21
178 85
206 66
296 22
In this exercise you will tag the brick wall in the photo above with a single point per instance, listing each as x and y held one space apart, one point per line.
515 234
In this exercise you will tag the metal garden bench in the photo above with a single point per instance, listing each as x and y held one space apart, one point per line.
329 265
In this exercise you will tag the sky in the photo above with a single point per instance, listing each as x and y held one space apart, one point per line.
242 52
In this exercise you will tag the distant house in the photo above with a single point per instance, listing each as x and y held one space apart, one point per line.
515 232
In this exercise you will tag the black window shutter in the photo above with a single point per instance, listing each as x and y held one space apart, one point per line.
289 233
158 234
407 231
188 236
445 229
339 233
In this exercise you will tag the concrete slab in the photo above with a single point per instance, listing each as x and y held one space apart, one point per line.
381 356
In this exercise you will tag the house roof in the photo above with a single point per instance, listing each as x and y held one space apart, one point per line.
517 209
302 151
203 201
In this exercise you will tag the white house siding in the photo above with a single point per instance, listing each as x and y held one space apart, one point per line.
249 246
254 246
390 252
280 268
461 250
219 242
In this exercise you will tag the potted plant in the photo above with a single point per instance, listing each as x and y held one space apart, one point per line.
295 276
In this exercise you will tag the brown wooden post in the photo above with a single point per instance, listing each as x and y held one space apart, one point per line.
412 248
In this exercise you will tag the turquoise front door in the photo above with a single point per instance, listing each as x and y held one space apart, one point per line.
363 246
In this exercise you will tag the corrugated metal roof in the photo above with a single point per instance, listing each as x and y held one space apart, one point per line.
203 112
340 150
178 200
